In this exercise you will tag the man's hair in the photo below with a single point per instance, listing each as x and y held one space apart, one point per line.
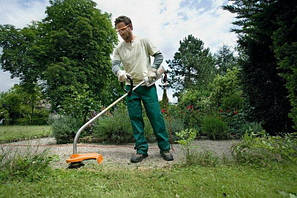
124 19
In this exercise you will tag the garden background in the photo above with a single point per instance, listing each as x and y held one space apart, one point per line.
247 93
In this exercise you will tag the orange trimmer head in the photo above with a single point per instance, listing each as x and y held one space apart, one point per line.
75 160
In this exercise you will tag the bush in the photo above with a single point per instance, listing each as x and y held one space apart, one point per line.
116 128
186 138
214 128
263 149
25 166
252 127
233 102
193 106
65 128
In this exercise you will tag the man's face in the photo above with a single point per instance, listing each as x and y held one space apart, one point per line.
125 31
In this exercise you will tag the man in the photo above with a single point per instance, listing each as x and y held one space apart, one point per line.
134 54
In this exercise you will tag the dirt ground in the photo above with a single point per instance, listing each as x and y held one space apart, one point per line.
117 156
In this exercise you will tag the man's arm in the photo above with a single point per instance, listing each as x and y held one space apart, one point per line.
158 59
116 66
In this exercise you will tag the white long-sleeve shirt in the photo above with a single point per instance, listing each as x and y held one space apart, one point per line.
136 58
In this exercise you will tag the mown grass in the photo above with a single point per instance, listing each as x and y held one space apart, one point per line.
16 133
189 181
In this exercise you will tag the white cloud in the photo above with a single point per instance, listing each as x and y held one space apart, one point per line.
165 22
21 13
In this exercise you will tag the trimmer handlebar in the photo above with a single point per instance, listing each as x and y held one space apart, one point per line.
131 86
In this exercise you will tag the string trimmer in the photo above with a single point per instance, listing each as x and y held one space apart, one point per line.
75 160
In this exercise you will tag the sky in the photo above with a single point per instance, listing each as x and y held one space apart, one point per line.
164 22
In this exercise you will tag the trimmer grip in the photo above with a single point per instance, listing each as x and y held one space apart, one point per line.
131 86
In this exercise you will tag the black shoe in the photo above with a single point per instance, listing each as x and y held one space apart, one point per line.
138 157
166 155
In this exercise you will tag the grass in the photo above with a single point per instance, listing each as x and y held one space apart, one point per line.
16 133
190 181
202 176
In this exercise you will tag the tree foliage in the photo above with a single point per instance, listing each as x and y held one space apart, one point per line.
224 60
67 52
19 106
192 66
257 21
285 49
224 86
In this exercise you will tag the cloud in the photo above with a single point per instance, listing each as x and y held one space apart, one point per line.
21 13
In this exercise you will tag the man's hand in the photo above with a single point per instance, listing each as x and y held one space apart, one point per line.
122 75
154 75
160 71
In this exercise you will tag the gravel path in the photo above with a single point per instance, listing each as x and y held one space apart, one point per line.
117 156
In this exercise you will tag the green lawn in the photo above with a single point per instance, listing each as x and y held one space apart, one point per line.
193 181
15 133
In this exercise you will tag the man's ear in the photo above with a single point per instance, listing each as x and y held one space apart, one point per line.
131 26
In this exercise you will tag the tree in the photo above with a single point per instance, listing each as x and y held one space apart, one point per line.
67 52
264 87
224 59
192 66
224 86
18 106
285 48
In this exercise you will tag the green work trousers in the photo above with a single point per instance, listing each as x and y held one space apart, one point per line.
149 98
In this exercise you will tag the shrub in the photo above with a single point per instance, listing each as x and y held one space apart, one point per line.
235 121
116 128
193 105
185 138
214 128
232 102
65 128
252 127
263 149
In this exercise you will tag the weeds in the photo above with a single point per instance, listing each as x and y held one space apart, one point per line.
28 165
263 149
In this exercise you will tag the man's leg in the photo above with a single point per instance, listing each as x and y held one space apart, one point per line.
150 100
135 114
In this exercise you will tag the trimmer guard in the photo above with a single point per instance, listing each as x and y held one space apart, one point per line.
87 156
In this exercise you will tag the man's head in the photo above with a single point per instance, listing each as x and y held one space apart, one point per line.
124 27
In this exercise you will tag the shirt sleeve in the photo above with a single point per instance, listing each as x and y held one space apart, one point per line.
116 62
151 48
115 55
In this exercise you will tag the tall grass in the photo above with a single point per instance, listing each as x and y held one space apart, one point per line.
23 165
